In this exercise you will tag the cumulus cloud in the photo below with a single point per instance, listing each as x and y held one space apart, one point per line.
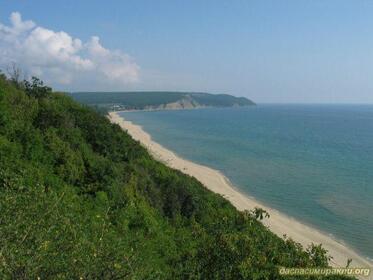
59 58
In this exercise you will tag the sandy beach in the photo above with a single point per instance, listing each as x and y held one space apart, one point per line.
215 181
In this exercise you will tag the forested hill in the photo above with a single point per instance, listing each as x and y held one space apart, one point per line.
158 100
80 199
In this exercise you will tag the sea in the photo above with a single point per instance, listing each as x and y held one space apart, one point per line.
311 162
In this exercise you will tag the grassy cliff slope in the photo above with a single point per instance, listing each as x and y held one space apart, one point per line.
80 199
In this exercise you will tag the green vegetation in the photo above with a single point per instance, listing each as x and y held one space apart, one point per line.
80 199
154 99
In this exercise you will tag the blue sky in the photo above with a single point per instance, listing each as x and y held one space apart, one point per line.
271 51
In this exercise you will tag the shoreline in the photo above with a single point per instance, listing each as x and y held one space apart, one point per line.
214 180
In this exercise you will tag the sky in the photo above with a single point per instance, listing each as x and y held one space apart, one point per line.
299 51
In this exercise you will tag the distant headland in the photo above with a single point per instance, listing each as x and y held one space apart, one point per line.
158 100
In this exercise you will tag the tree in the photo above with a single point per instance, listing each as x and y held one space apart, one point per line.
36 88
15 73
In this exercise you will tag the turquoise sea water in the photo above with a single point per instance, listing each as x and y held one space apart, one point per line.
312 162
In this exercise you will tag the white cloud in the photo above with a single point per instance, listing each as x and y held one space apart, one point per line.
114 64
59 58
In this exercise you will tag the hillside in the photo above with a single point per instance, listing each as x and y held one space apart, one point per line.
157 100
80 199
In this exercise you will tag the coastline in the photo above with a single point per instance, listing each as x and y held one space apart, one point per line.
215 181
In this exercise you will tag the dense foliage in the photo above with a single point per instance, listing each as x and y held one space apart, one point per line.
144 99
80 199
